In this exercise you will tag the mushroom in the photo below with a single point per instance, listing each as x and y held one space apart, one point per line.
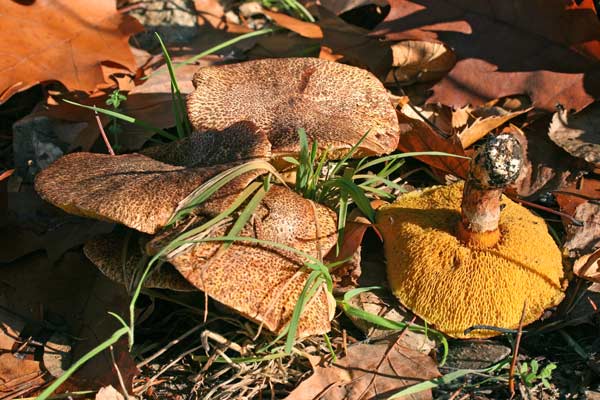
335 104
259 281
482 261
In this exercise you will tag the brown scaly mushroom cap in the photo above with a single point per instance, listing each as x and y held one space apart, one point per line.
258 281
479 261
131 189
120 257
335 104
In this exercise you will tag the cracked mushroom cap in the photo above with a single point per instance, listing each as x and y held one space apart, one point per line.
261 282
335 104
455 287
131 189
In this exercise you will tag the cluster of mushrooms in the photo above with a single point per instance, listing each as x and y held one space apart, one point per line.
458 256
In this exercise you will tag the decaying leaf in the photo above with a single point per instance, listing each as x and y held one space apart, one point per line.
586 238
336 104
73 297
486 119
588 267
578 134
419 61
536 48
131 189
416 135
368 371
260 281
62 40
353 43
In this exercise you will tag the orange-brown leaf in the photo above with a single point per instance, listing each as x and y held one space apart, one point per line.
540 48
62 40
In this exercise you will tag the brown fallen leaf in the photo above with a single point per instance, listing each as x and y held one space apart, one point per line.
307 29
419 61
50 33
588 267
486 119
108 393
341 6
416 135
578 134
545 49
584 239
74 296
353 43
368 371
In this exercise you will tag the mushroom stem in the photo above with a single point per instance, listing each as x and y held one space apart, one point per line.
495 165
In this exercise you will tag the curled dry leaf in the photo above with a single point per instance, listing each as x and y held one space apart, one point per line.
368 371
516 46
586 238
486 120
578 134
419 61
588 267
416 135
49 33
336 104
133 190
260 281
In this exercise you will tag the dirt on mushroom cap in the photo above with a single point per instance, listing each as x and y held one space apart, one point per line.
336 104
454 287
259 281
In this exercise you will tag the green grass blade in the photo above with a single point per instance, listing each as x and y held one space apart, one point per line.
85 358
125 118
380 160
179 107
224 45
309 289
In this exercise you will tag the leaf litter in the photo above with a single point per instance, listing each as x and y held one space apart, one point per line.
459 73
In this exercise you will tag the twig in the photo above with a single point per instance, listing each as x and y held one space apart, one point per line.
574 221
513 364
170 344
103 133
116 367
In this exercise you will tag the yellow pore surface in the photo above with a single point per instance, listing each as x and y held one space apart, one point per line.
455 287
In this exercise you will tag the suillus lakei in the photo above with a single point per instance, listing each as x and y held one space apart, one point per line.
464 255
335 104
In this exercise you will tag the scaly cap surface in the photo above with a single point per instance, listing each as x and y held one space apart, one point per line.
262 282
336 104
455 287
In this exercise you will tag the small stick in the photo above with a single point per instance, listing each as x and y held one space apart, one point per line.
104 137
574 221
513 364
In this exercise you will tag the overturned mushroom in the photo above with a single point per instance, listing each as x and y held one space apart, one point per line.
335 104
479 267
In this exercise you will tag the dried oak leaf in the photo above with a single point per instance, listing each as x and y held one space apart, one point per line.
74 296
546 49
578 134
419 61
62 40
368 371
132 189
486 119
260 281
